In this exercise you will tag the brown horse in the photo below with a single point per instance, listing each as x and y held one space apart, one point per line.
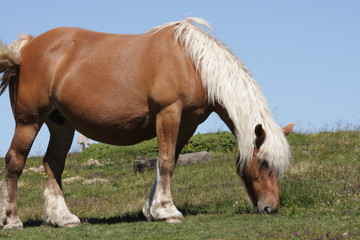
123 89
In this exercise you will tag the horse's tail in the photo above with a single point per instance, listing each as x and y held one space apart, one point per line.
10 60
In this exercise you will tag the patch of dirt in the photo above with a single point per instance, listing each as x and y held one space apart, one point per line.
96 180
72 179
39 169
300 167
93 162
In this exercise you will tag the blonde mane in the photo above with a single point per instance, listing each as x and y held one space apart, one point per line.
229 83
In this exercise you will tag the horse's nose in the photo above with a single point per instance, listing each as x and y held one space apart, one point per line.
267 209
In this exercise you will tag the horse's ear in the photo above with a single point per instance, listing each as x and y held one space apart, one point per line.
260 135
288 128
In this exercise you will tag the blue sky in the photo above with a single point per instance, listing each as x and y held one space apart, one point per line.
304 54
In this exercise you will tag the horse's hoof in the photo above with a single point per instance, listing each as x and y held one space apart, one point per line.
67 221
71 225
174 220
14 226
150 219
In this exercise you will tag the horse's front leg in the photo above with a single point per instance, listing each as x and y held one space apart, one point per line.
159 205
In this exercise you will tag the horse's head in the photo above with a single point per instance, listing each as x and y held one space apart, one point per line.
262 184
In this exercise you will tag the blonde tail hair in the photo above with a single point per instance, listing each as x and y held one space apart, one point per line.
10 60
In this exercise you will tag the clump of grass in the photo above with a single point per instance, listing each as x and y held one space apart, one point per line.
324 172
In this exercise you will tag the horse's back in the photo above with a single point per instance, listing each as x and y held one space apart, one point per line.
82 57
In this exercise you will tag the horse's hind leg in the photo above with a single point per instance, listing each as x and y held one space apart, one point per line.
61 136
15 161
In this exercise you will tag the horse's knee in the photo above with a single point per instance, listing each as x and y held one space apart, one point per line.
15 163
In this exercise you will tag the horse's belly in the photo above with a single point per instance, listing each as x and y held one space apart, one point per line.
119 136
112 128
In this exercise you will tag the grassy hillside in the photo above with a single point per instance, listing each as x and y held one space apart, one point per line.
320 194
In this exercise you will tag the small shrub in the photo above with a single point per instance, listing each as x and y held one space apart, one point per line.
212 142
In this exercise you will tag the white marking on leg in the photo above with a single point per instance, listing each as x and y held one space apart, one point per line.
149 200
56 211
162 206
3 204
8 222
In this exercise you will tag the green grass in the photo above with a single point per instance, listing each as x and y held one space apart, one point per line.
320 194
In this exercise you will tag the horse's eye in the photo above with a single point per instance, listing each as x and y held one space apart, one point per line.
264 163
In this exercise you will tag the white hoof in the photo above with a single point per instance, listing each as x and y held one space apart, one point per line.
13 224
168 213
69 220
174 220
